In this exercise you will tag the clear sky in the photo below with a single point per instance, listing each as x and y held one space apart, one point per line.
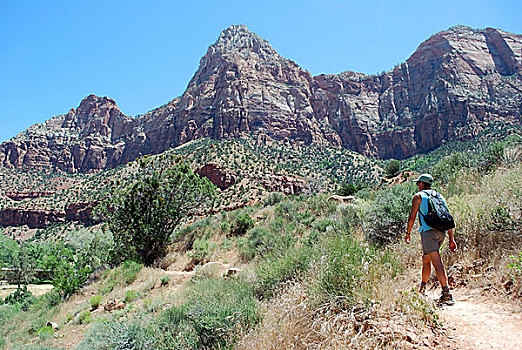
143 53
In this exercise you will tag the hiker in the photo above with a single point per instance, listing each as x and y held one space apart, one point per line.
431 238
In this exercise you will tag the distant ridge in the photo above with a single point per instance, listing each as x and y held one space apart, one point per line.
456 84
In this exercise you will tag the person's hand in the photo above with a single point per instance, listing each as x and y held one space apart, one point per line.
407 238
452 246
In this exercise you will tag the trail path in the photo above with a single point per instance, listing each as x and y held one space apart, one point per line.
478 323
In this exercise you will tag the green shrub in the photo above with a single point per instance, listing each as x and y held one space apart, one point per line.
323 224
348 270
70 270
262 241
201 249
448 168
95 301
386 216
276 269
143 212
84 317
130 296
392 167
211 318
273 198
347 190
242 223
20 296
124 274
515 266
164 280
121 335
45 332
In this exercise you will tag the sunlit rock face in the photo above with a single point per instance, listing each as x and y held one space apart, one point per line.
457 83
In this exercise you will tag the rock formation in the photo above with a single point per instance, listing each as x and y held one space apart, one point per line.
18 196
285 184
31 218
220 177
39 218
456 84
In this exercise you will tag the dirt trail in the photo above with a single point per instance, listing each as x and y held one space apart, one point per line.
478 323
36 289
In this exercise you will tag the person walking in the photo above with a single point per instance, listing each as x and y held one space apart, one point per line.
431 238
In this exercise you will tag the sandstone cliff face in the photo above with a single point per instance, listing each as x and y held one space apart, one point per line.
455 84
31 218
38 218
220 177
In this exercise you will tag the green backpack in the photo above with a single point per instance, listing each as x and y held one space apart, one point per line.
438 215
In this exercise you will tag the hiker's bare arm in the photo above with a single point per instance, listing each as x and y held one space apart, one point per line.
452 244
415 204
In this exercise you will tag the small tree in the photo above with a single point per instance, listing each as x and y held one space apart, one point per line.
348 189
143 212
392 167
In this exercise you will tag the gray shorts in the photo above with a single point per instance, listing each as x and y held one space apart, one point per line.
432 240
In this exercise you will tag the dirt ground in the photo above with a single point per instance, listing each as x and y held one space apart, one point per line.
476 322
36 289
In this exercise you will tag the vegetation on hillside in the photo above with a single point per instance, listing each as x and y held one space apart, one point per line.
307 265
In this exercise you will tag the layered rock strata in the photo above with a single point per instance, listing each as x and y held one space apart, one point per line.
456 84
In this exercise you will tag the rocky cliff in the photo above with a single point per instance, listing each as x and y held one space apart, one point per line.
456 83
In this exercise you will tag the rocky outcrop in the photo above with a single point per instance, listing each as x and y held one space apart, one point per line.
456 84
219 176
37 218
81 212
31 218
18 196
285 184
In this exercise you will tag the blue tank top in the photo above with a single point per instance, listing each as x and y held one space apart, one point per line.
423 209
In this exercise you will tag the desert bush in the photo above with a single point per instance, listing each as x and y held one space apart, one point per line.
287 209
20 296
283 267
385 217
348 189
130 296
164 280
95 301
124 274
121 335
45 332
214 315
201 249
70 270
447 169
273 198
84 317
486 219
143 212
392 167
348 270
242 223
262 241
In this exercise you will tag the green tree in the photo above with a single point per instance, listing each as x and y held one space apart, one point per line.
392 167
347 189
143 212
70 270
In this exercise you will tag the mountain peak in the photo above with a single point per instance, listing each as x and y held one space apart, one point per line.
239 38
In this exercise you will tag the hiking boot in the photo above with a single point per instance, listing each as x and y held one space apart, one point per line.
446 299
422 289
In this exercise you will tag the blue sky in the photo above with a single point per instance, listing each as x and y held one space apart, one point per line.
143 53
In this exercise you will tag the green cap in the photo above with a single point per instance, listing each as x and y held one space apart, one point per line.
426 178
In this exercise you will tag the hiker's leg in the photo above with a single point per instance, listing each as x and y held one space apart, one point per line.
439 268
426 268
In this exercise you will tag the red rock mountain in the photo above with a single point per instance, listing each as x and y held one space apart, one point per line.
456 83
